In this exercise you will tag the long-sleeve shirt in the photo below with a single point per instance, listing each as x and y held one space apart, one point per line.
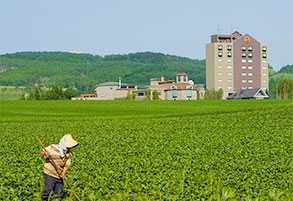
60 163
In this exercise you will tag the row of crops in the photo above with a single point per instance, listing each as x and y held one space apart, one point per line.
198 150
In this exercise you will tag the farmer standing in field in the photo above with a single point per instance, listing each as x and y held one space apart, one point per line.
60 154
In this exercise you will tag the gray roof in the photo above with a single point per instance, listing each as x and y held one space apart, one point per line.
143 86
155 79
110 84
248 93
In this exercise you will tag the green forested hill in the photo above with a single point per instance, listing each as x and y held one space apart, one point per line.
286 72
83 71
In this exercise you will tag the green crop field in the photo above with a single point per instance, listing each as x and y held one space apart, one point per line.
152 150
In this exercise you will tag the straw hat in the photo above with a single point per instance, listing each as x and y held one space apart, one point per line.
69 141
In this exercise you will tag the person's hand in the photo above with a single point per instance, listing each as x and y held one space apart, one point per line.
47 154
63 176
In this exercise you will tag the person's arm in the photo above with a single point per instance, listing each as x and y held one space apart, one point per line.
66 167
63 175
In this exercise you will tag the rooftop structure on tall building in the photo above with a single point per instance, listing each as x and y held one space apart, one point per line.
235 62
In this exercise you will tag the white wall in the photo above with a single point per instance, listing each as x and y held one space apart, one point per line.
106 92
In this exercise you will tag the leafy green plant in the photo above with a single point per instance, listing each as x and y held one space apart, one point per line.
152 150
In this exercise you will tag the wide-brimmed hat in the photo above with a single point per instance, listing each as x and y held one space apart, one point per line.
69 141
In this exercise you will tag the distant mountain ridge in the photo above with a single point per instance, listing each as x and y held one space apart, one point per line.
82 72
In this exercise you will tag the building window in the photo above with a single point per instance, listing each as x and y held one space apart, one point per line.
243 67
220 67
179 78
264 88
230 88
220 54
229 74
188 92
264 74
243 54
264 68
220 47
229 60
250 74
229 67
264 49
229 81
220 81
249 55
229 54
229 47
174 92
264 81
220 60
243 81
249 48
184 78
264 55
243 48
220 87
250 68
220 73
111 88
250 81
243 61
250 87
249 61
243 87
140 94
264 61
243 74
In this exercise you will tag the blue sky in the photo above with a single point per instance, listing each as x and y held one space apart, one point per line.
177 27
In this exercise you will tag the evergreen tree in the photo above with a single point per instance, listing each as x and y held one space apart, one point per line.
220 94
128 95
155 95
197 92
147 94
207 95
133 95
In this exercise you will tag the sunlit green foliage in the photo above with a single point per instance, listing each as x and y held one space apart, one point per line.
82 72
152 150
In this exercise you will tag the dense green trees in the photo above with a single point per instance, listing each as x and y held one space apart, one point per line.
82 72
54 93
281 79
283 88
213 94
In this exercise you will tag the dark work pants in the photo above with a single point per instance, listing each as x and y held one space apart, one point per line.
52 183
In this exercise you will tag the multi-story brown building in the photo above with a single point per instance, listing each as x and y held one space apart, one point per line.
235 62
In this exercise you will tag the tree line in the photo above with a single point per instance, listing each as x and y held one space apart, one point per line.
54 93
283 88
82 72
